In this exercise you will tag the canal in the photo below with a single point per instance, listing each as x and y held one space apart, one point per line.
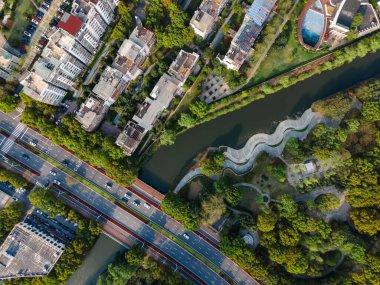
235 128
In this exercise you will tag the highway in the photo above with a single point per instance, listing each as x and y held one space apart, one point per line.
94 176
109 209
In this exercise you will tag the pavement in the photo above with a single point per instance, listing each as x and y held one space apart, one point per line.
97 178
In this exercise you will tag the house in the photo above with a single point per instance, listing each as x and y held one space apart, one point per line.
159 100
91 113
205 18
342 17
111 84
130 138
183 65
8 63
247 34
38 89
29 251
133 51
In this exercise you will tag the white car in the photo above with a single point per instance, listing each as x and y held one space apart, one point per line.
146 205
32 143
57 182
52 172
186 236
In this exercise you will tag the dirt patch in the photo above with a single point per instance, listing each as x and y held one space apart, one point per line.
195 187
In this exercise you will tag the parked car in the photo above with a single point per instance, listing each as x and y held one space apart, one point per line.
32 143
109 185
186 236
57 182
52 172
136 203
40 14
44 7
26 33
35 20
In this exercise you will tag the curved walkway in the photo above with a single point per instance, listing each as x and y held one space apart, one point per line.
241 160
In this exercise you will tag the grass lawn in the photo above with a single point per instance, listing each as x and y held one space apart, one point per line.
284 58
21 19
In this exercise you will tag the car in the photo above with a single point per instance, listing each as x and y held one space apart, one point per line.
15 199
57 182
26 33
43 6
25 156
186 236
46 184
46 4
32 143
66 162
125 199
147 205
109 185
52 172
128 195
40 14
136 203
35 20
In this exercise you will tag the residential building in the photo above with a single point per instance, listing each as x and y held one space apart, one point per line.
106 9
8 63
342 17
91 113
183 65
130 138
29 251
247 34
111 84
159 99
205 18
133 51
38 89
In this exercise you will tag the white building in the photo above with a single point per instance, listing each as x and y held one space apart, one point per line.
183 66
37 88
205 18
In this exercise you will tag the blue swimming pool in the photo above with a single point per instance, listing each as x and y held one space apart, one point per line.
312 27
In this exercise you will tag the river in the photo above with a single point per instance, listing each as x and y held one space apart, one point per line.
233 129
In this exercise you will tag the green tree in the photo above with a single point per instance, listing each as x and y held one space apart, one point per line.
327 202
212 208
135 255
266 221
289 237
186 120
366 220
199 108
167 137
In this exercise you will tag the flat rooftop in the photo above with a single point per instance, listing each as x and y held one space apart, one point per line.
28 252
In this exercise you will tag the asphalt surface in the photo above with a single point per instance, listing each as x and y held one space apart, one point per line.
109 209
59 154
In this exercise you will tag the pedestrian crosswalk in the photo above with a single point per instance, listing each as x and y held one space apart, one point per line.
15 134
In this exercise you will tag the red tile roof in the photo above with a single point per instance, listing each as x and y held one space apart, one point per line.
71 25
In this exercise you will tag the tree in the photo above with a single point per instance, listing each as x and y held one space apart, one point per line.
366 220
371 111
213 165
135 255
9 217
199 108
357 20
45 200
266 221
327 202
8 100
186 120
289 237
167 137
212 208
15 179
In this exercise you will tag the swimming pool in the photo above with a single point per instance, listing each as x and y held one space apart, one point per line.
312 27
317 6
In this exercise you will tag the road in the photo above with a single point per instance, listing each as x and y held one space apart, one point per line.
97 178
109 209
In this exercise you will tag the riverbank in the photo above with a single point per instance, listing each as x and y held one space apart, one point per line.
234 128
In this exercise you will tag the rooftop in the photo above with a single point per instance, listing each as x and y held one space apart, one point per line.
91 113
130 138
70 24
160 98
142 35
183 65
345 12
28 252
110 85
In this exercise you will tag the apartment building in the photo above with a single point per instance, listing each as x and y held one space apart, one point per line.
38 89
130 138
8 63
206 17
247 34
124 69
